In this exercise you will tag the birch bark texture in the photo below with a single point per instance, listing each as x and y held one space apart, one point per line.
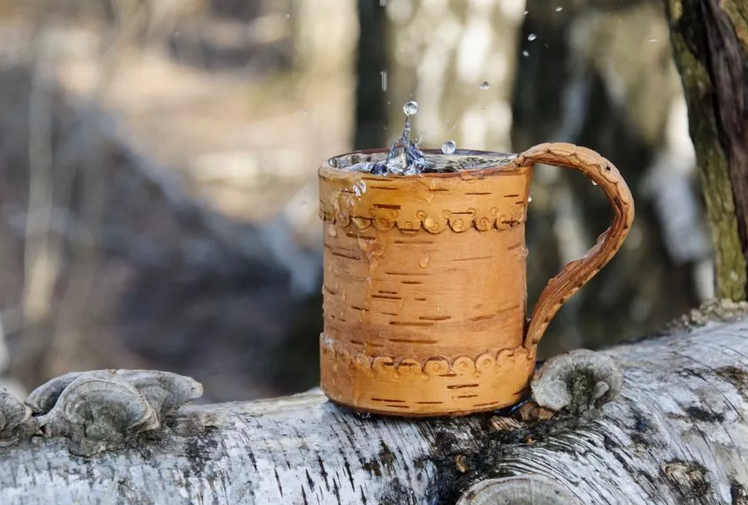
677 434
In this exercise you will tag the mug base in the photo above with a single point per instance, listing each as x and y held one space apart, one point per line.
443 387
423 415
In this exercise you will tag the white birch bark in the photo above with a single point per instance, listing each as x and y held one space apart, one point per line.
677 434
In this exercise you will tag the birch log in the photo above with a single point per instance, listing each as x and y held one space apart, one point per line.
677 434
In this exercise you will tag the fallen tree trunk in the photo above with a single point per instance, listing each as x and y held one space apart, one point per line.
677 434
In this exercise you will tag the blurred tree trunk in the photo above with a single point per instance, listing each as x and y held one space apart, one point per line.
439 53
371 100
710 46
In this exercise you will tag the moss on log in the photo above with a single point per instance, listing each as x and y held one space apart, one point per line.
710 42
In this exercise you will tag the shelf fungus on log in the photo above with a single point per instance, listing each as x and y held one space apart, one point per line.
577 381
100 410
15 420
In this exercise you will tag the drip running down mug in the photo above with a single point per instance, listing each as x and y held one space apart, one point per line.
424 290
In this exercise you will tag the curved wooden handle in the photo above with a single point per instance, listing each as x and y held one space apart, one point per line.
576 274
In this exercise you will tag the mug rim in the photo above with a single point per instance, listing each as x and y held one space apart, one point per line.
509 166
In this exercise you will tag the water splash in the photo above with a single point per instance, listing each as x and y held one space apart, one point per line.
406 158
449 147
484 86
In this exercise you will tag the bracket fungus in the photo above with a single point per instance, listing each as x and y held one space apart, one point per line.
15 419
577 381
100 410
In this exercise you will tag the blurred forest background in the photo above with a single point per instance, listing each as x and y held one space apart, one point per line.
158 163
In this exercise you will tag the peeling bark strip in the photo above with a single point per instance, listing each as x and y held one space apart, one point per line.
711 59
678 434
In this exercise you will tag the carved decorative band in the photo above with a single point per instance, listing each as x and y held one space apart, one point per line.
432 222
435 366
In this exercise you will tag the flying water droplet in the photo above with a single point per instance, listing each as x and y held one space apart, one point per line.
529 197
532 37
594 183
359 188
525 54
559 9
525 13
383 73
484 86
410 108
449 147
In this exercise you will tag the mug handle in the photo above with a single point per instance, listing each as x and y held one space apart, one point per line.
576 273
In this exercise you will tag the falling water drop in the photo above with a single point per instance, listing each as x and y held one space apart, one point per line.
449 147
484 86
559 9
594 183
525 13
532 37
529 197
424 261
525 54
410 108
383 73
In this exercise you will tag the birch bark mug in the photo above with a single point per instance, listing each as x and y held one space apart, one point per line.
424 292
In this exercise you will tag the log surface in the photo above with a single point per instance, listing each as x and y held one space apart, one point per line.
676 435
